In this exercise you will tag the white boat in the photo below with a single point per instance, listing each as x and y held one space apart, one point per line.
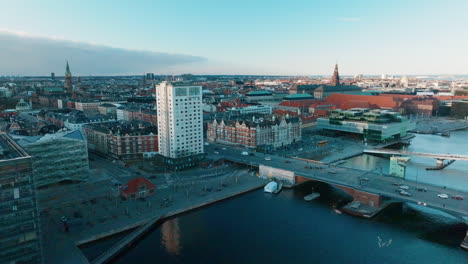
312 196
270 187
337 211
278 189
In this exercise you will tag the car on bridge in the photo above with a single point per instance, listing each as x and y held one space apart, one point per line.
267 158
405 193
422 189
443 195
403 187
457 197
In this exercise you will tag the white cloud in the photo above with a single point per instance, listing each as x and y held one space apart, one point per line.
23 53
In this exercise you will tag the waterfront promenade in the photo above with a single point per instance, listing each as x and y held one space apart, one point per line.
108 216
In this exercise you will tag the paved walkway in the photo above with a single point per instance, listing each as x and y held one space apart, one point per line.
110 215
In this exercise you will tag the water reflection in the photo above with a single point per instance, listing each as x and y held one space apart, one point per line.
454 176
170 238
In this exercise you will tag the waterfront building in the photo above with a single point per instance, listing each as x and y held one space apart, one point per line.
398 166
19 228
58 157
122 140
180 124
373 125
459 109
349 101
255 131
137 188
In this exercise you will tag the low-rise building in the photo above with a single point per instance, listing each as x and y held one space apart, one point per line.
252 109
137 188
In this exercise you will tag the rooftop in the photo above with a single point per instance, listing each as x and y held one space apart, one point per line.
258 93
300 96
9 149
125 128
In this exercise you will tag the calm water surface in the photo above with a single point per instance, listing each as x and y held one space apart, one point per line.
264 228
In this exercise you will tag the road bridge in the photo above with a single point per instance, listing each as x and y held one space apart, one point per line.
426 155
371 189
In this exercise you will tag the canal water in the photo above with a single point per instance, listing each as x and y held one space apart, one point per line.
283 228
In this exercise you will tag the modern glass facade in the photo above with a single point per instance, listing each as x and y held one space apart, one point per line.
19 225
374 125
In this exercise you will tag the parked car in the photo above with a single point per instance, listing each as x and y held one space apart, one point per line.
443 195
457 197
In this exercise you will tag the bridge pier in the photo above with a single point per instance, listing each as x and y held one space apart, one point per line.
364 204
464 243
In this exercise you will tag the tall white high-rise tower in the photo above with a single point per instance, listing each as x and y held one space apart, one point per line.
180 120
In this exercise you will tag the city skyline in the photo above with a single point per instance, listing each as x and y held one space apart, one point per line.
273 38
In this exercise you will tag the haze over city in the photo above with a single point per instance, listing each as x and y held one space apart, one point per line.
234 37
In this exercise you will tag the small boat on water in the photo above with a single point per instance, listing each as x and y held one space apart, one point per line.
337 211
270 187
278 189
312 196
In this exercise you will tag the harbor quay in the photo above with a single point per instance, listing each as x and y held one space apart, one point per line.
96 218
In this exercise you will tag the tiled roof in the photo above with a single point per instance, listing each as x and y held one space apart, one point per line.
299 103
132 185
377 101
299 96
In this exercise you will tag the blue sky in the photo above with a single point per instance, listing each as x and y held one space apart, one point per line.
247 37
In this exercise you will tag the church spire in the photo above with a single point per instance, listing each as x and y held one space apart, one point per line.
335 80
68 79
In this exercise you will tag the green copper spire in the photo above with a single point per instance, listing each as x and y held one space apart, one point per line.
67 71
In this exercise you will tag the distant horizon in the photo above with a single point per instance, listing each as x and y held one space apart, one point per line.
240 75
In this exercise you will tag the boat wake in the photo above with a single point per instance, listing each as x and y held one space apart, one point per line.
383 243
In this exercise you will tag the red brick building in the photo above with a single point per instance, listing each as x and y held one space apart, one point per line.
255 132
122 140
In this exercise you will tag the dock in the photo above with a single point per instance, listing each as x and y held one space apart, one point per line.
125 242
